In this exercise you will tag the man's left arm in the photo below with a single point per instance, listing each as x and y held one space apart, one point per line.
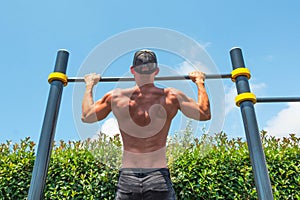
199 110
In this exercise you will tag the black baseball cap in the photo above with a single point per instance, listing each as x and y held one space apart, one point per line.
144 61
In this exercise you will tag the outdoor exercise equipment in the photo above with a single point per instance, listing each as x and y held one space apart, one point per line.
245 100
162 78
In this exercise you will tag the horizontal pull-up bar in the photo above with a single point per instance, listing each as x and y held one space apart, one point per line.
162 78
277 99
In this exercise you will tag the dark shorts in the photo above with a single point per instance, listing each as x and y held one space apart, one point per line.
139 183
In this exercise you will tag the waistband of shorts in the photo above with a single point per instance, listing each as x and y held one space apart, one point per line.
144 170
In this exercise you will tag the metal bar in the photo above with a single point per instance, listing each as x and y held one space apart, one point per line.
163 78
277 99
257 156
40 169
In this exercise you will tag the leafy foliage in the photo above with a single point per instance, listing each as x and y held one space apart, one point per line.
16 164
211 167
74 173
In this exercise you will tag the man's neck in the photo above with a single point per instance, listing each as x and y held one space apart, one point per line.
144 83
145 86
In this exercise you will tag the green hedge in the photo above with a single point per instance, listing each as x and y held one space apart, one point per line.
212 167
225 172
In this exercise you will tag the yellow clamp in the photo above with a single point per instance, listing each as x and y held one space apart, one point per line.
240 72
58 76
247 96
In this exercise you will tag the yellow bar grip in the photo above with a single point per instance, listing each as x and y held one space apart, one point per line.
240 72
247 96
58 76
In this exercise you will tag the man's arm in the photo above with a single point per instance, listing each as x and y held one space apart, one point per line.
92 112
199 110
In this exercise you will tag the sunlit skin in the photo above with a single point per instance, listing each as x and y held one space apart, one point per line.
144 114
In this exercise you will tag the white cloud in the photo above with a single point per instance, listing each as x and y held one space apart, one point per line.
269 58
206 45
186 67
109 127
285 122
194 52
231 93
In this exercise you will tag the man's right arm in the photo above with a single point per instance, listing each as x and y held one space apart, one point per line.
94 111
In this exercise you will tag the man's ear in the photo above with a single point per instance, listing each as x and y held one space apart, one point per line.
132 70
156 71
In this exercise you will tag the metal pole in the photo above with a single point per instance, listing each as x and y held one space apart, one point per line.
40 169
277 99
163 78
257 156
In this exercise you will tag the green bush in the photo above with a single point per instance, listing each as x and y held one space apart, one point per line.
74 173
211 167
222 173
225 171
16 163
283 158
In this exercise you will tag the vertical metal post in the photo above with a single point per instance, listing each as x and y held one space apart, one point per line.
257 156
40 169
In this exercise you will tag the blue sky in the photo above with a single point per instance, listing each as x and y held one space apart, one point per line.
33 31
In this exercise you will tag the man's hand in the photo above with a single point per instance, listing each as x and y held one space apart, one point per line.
91 79
197 77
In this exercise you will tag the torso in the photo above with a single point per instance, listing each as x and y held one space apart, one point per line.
144 116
